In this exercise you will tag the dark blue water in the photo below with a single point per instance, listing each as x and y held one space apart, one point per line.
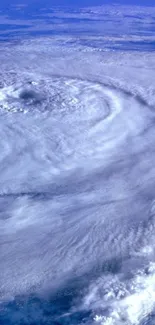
104 25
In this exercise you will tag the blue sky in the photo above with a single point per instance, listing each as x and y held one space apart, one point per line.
41 3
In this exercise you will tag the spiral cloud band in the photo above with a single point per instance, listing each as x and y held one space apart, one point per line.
77 186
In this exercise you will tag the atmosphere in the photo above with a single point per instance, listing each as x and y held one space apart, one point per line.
42 3
77 172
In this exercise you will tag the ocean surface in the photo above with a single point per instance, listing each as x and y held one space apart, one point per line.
77 165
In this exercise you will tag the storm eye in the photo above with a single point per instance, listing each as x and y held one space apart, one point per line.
30 96
27 94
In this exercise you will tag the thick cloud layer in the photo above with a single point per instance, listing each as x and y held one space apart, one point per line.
77 185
